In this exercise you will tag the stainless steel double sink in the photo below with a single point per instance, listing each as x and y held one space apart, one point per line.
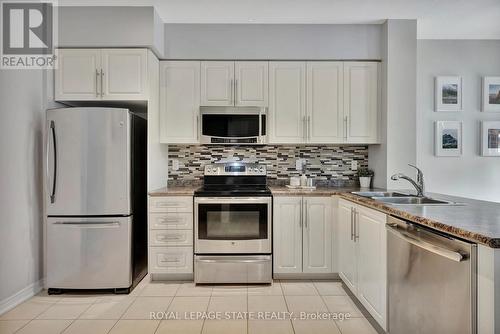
396 198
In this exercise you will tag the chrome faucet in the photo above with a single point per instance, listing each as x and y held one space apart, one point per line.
419 185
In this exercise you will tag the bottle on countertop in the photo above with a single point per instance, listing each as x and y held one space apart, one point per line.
303 180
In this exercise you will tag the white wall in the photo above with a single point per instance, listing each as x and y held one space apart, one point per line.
398 105
470 175
108 27
22 105
272 41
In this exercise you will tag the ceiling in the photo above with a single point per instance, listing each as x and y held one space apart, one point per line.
437 19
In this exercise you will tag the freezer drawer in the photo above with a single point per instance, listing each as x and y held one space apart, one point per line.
233 269
89 253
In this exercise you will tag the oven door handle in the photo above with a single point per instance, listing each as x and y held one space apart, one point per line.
233 200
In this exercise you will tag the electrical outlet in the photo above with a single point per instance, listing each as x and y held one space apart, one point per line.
175 164
354 165
298 164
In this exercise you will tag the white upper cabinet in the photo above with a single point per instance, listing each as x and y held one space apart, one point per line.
124 74
287 234
77 76
251 83
229 83
361 92
317 244
287 102
179 101
101 74
325 109
217 83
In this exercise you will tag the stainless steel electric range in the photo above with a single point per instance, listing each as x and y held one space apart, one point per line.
233 225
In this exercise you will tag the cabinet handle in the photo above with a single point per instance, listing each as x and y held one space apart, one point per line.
304 135
345 127
102 87
231 91
309 127
356 225
198 127
96 83
235 92
301 213
352 223
306 220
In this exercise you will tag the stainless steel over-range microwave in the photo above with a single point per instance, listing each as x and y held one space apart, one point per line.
233 125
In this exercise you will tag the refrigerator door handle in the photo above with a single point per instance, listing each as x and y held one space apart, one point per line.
54 175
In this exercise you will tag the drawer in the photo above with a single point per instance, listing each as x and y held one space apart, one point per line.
171 221
171 204
171 260
171 238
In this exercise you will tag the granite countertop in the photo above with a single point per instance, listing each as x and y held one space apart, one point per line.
187 190
473 220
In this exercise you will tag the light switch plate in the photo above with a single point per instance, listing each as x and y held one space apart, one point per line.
354 165
175 164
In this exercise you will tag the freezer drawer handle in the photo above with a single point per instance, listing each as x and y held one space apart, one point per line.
89 224
419 242
53 192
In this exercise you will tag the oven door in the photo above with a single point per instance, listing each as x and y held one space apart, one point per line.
233 225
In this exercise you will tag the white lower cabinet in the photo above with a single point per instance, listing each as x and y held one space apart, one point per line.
362 256
171 235
302 235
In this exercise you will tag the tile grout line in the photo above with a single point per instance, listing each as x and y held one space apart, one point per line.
208 305
286 304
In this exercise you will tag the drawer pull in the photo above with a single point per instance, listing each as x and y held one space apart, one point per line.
168 220
169 205
170 261
169 237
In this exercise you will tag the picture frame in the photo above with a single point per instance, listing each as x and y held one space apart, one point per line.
491 94
490 138
448 93
448 138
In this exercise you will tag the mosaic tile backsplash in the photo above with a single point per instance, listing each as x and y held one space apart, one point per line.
325 163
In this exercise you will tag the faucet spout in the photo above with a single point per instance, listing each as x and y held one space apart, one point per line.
419 184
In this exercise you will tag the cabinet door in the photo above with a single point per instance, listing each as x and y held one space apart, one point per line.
287 102
251 83
372 274
317 253
287 234
347 256
217 83
361 101
77 76
325 108
179 101
124 74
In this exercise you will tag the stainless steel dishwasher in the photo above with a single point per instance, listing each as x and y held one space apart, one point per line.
431 281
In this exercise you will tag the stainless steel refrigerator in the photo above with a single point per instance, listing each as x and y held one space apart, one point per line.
96 232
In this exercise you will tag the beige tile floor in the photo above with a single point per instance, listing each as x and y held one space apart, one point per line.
101 314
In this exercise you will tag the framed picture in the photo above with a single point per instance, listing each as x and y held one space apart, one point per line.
448 91
490 138
491 94
448 139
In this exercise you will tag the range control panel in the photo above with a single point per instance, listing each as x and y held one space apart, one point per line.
235 168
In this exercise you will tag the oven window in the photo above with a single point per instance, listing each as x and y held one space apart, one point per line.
232 221
230 125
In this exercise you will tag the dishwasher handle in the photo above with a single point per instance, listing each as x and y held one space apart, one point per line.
419 242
